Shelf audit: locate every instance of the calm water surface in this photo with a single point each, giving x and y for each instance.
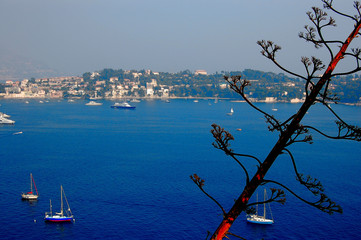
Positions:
(126, 173)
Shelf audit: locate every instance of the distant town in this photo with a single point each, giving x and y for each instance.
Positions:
(125, 84)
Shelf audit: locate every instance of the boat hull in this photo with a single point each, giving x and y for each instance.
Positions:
(29, 196)
(6, 121)
(92, 103)
(58, 219)
(122, 107)
(259, 220)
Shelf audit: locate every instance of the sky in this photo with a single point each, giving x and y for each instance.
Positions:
(78, 36)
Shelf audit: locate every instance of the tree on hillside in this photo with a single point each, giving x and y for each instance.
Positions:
(317, 87)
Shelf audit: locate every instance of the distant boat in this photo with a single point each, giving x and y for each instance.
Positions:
(196, 100)
(259, 219)
(135, 100)
(93, 103)
(62, 216)
(4, 120)
(4, 115)
(30, 195)
(124, 105)
(273, 108)
(231, 112)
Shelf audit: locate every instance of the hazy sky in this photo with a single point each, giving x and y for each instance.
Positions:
(77, 36)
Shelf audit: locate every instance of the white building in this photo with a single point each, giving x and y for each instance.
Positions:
(150, 89)
(271, 99)
(200, 72)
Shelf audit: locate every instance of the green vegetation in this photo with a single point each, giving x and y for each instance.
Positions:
(263, 84)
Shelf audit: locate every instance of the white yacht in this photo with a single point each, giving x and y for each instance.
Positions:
(4, 115)
(93, 103)
(4, 120)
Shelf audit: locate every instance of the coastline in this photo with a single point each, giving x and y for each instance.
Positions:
(235, 100)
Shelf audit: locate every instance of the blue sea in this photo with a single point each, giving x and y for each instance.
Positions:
(126, 172)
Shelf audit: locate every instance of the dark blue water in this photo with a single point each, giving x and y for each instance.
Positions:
(126, 172)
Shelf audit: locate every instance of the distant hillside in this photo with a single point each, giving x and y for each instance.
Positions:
(17, 68)
(188, 84)
(111, 83)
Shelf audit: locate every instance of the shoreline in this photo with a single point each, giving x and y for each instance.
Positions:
(235, 100)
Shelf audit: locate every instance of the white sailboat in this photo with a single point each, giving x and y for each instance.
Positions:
(30, 195)
(259, 219)
(62, 216)
(231, 112)
(273, 108)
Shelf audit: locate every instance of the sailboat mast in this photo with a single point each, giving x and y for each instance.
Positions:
(264, 204)
(61, 199)
(31, 184)
(257, 205)
(37, 193)
(51, 209)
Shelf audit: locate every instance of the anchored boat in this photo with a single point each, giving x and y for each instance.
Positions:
(30, 195)
(123, 105)
(62, 216)
(93, 103)
(4, 120)
(231, 112)
(259, 219)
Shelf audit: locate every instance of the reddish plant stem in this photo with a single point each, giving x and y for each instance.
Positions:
(241, 203)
